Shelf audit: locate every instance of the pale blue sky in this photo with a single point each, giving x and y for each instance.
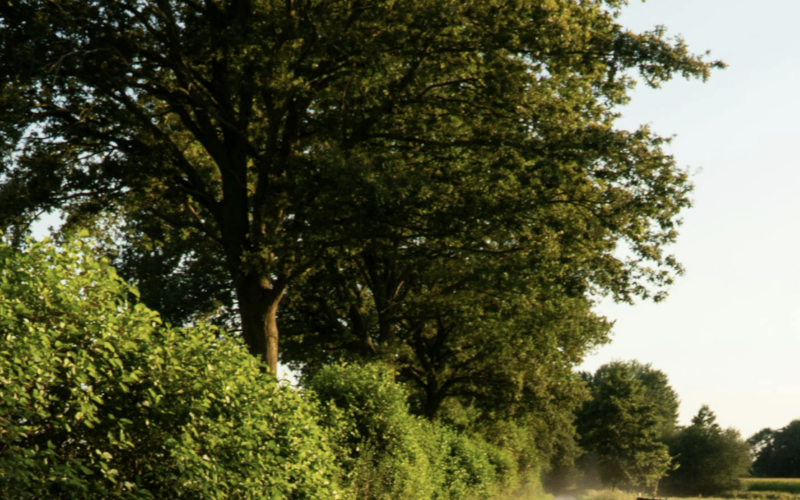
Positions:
(729, 333)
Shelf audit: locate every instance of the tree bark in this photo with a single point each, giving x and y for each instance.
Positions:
(433, 401)
(258, 308)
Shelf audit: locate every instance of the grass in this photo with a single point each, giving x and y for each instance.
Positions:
(763, 495)
(607, 495)
(777, 485)
(752, 489)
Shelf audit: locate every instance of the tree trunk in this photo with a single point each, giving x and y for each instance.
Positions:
(434, 395)
(433, 401)
(271, 335)
(258, 308)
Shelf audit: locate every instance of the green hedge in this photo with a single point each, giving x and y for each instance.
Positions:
(98, 399)
(387, 453)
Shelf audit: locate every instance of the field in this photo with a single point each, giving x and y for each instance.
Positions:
(776, 485)
(752, 489)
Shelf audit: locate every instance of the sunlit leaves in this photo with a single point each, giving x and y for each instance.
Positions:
(100, 400)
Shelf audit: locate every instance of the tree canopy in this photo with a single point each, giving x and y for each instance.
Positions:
(258, 143)
(622, 425)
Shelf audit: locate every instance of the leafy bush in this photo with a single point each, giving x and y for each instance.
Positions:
(474, 468)
(383, 448)
(513, 449)
(100, 400)
(389, 453)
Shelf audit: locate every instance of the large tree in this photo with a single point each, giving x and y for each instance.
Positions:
(251, 138)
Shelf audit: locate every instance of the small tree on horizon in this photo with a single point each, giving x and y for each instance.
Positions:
(710, 459)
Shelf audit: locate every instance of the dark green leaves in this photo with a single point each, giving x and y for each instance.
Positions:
(710, 460)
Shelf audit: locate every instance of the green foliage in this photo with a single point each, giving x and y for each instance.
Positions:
(388, 453)
(777, 453)
(439, 185)
(183, 278)
(503, 356)
(100, 400)
(278, 136)
(473, 468)
(383, 448)
(710, 460)
(663, 396)
(622, 424)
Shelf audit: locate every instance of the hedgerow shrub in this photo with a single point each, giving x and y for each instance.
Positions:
(388, 453)
(468, 467)
(383, 448)
(98, 399)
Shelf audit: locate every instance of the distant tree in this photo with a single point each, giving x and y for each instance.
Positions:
(658, 390)
(758, 442)
(622, 424)
(777, 453)
(710, 460)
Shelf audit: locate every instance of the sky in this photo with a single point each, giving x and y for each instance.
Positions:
(728, 335)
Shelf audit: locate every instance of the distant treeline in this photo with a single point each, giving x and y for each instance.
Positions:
(629, 433)
(628, 430)
(777, 452)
